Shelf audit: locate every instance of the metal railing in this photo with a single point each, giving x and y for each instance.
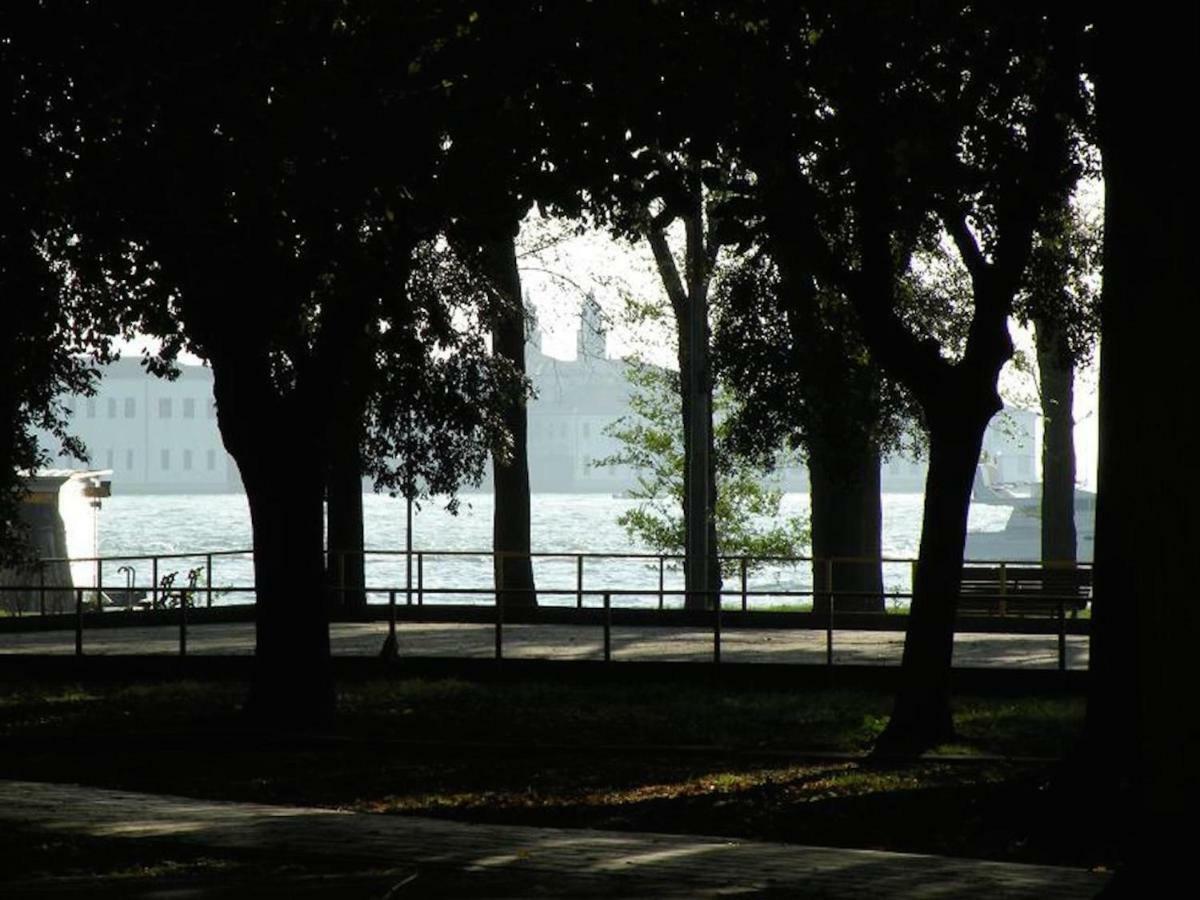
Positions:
(163, 595)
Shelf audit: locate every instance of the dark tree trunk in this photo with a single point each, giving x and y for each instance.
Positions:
(511, 518)
(844, 486)
(293, 680)
(1141, 718)
(344, 564)
(922, 717)
(1056, 375)
(700, 593)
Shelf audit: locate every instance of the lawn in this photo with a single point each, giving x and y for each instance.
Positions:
(774, 765)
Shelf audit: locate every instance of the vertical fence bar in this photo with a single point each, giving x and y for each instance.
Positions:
(1062, 635)
(661, 573)
(392, 617)
(42, 586)
(1003, 588)
(185, 597)
(420, 579)
(79, 621)
(154, 583)
(744, 599)
(829, 620)
(607, 628)
(499, 625)
(408, 585)
(579, 581)
(99, 584)
(716, 627)
(207, 580)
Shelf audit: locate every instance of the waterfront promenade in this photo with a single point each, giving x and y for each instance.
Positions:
(568, 642)
(422, 855)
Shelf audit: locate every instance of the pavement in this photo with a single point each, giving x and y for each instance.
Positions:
(564, 642)
(430, 857)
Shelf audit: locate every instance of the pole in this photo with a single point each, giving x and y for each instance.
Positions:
(79, 621)
(607, 628)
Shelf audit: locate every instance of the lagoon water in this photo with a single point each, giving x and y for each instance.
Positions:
(138, 525)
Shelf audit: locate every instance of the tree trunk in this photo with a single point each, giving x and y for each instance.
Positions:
(345, 569)
(292, 683)
(921, 718)
(513, 566)
(1056, 375)
(1141, 717)
(844, 486)
(702, 583)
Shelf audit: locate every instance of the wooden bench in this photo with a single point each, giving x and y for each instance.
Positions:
(1023, 590)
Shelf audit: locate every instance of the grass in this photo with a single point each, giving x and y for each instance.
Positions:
(655, 757)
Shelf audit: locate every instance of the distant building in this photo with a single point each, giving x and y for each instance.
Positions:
(159, 436)
(156, 436)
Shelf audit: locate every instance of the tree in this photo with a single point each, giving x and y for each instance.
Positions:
(804, 380)
(1060, 302)
(951, 122)
(57, 312)
(747, 512)
(1141, 738)
(279, 171)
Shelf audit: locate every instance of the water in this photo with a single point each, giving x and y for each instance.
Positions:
(561, 523)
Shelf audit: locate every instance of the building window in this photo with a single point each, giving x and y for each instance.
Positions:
(187, 460)
(164, 459)
(130, 407)
(587, 429)
(91, 407)
(108, 459)
(210, 458)
(164, 407)
(189, 408)
(112, 407)
(212, 409)
(129, 460)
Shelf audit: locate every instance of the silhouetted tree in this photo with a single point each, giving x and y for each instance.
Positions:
(278, 170)
(59, 304)
(1060, 303)
(1141, 733)
(924, 122)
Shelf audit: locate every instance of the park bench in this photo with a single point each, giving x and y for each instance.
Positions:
(1023, 590)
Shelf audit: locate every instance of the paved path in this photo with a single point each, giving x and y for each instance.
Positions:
(572, 642)
(571, 862)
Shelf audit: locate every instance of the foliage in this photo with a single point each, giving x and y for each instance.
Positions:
(747, 509)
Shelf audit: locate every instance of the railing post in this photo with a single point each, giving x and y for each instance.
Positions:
(207, 580)
(607, 628)
(420, 579)
(99, 584)
(744, 601)
(500, 623)
(42, 586)
(829, 621)
(79, 621)
(579, 581)
(392, 618)
(408, 585)
(184, 599)
(154, 583)
(1003, 588)
(1062, 636)
(661, 571)
(717, 627)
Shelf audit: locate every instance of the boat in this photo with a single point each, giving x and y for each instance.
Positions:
(1021, 538)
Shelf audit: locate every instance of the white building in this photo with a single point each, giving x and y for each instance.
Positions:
(159, 436)
(155, 435)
